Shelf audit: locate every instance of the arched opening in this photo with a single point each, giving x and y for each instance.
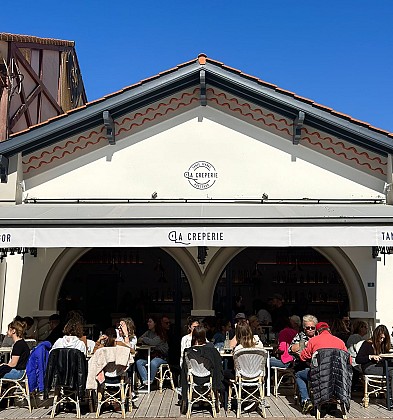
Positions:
(105, 283)
(306, 279)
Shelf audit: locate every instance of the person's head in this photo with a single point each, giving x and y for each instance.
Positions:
(192, 323)
(225, 325)
(154, 324)
(309, 325)
(54, 321)
(244, 335)
(381, 340)
(165, 323)
(321, 327)
(295, 322)
(110, 333)
(73, 327)
(151, 323)
(130, 327)
(338, 326)
(360, 327)
(347, 322)
(77, 315)
(16, 329)
(276, 300)
(198, 336)
(253, 322)
(240, 317)
(29, 321)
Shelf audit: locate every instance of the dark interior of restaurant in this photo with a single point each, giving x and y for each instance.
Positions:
(107, 283)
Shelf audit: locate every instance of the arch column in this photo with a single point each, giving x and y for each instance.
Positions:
(11, 274)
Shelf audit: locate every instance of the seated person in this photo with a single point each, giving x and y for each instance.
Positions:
(203, 351)
(224, 327)
(340, 329)
(323, 340)
(244, 339)
(359, 333)
(31, 330)
(124, 336)
(187, 339)
(243, 321)
(369, 354)
(56, 329)
(20, 353)
(285, 337)
(72, 339)
(302, 369)
(256, 327)
(155, 336)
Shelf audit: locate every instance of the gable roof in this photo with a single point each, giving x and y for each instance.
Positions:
(201, 72)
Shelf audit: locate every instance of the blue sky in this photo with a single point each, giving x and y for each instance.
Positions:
(338, 53)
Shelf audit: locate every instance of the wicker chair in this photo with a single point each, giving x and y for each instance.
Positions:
(113, 391)
(15, 389)
(199, 390)
(373, 385)
(279, 374)
(164, 373)
(248, 385)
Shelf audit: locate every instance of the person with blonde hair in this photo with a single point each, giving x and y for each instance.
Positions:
(20, 353)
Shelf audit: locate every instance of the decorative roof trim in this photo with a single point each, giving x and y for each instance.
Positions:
(34, 39)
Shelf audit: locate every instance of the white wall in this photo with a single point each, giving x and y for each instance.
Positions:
(249, 162)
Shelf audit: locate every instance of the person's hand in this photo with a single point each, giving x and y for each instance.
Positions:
(295, 347)
(375, 357)
(102, 339)
(123, 329)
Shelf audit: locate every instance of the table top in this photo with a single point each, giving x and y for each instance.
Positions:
(5, 349)
(386, 355)
(143, 347)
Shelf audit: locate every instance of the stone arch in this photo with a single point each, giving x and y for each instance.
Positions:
(336, 256)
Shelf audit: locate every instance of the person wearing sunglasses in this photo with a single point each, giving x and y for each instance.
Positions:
(297, 345)
(324, 339)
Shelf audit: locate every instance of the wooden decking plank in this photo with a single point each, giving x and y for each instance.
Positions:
(166, 403)
(144, 405)
(155, 404)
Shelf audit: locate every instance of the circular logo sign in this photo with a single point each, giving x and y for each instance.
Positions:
(201, 175)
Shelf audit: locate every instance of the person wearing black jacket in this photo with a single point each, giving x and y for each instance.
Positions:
(369, 353)
(205, 353)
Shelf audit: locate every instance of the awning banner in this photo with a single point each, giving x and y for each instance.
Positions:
(280, 236)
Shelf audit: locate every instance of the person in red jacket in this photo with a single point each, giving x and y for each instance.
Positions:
(323, 340)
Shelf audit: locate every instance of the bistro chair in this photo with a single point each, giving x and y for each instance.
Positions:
(373, 385)
(164, 373)
(200, 385)
(279, 374)
(248, 385)
(113, 391)
(66, 373)
(331, 378)
(15, 389)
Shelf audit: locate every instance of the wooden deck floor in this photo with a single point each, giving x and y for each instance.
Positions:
(165, 406)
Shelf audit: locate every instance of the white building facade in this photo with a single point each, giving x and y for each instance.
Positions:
(200, 159)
